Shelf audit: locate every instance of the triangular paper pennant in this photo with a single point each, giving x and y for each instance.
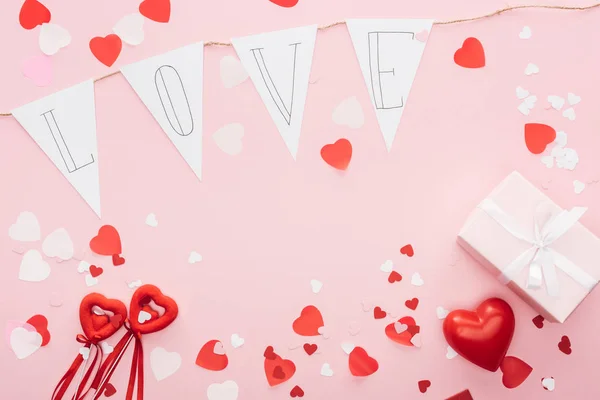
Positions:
(389, 52)
(64, 126)
(170, 85)
(279, 64)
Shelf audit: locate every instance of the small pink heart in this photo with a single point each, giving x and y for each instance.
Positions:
(38, 69)
(422, 36)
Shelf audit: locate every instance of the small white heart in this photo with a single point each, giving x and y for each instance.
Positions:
(134, 284)
(387, 266)
(144, 316)
(53, 38)
(98, 311)
(548, 384)
(106, 348)
(441, 312)
(237, 341)
(531, 69)
(83, 266)
(130, 29)
(194, 257)
(90, 280)
(450, 353)
(548, 161)
(416, 340)
(348, 347)
(219, 349)
(416, 279)
(573, 99)
(326, 370)
(578, 186)
(525, 33)
(522, 93)
(561, 138)
(323, 332)
(569, 113)
(151, 220)
(556, 102)
(85, 352)
(400, 327)
(316, 286)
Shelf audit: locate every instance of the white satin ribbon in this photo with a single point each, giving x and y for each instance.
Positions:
(540, 258)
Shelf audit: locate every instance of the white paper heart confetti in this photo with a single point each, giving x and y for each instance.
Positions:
(130, 29)
(58, 244)
(83, 266)
(349, 113)
(323, 332)
(164, 363)
(326, 370)
(237, 341)
(569, 114)
(548, 384)
(548, 161)
(106, 348)
(522, 93)
(85, 352)
(26, 229)
(416, 279)
(348, 347)
(525, 33)
(561, 139)
(578, 186)
(316, 285)
(416, 341)
(565, 158)
(400, 327)
(527, 105)
(53, 38)
(33, 267)
(144, 316)
(229, 139)
(556, 102)
(387, 267)
(573, 99)
(218, 349)
(194, 257)
(227, 390)
(151, 220)
(450, 353)
(232, 72)
(134, 284)
(24, 343)
(441, 312)
(90, 280)
(531, 69)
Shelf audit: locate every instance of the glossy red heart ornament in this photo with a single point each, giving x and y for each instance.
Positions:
(481, 336)
(142, 297)
(99, 327)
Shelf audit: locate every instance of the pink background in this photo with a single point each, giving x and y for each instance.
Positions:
(267, 225)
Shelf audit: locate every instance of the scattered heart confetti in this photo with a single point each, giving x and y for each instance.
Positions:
(233, 72)
(115, 320)
(378, 313)
(416, 279)
(402, 331)
(107, 242)
(323, 332)
(130, 29)
(156, 10)
(117, 260)
(40, 324)
(96, 271)
(538, 321)
(326, 370)
(361, 364)
(143, 316)
(514, 372)
(90, 280)
(412, 304)
(296, 392)
(561, 139)
(33, 268)
(212, 356)
(151, 220)
(227, 390)
(39, 70)
(450, 353)
(407, 250)
(83, 266)
(441, 312)
(400, 327)
(394, 277)
(464, 395)
(347, 347)
(522, 93)
(424, 385)
(565, 158)
(33, 13)
(538, 136)
(55, 299)
(53, 38)
(316, 285)
(471, 54)
(548, 161)
(556, 102)
(548, 384)
(237, 341)
(229, 138)
(416, 341)
(531, 69)
(569, 113)
(109, 390)
(24, 343)
(285, 3)
(277, 369)
(309, 322)
(134, 284)
(565, 345)
(349, 113)
(310, 348)
(387, 266)
(58, 244)
(194, 257)
(422, 36)
(106, 49)
(525, 33)
(527, 105)
(578, 186)
(337, 155)
(573, 99)
(164, 363)
(106, 348)
(85, 352)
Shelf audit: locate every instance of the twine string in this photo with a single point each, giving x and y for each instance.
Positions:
(449, 22)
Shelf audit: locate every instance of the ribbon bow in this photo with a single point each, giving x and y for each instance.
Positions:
(540, 257)
(65, 381)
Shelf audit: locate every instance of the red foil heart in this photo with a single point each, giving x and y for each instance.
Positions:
(97, 328)
(142, 297)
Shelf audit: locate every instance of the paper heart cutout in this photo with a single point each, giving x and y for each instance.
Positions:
(285, 3)
(538, 136)
(378, 313)
(471, 54)
(39, 70)
(407, 250)
(24, 342)
(296, 392)
(227, 390)
(96, 271)
(109, 390)
(361, 364)
(156, 10)
(143, 296)
(33, 13)
(405, 336)
(565, 345)
(309, 322)
(548, 384)
(464, 395)
(514, 371)
(130, 29)
(40, 323)
(90, 322)
(310, 349)
(53, 38)
(58, 244)
(164, 363)
(269, 353)
(394, 277)
(107, 242)
(117, 260)
(424, 385)
(538, 321)
(277, 369)
(106, 49)
(338, 155)
(412, 304)
(481, 336)
(210, 359)
(33, 268)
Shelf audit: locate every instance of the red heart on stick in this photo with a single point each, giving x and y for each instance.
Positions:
(361, 364)
(106, 50)
(156, 10)
(481, 336)
(33, 13)
(99, 327)
(471, 54)
(338, 155)
(309, 322)
(107, 242)
(538, 136)
(142, 297)
(514, 371)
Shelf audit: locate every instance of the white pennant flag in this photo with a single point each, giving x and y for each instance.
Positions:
(279, 64)
(170, 85)
(64, 126)
(389, 52)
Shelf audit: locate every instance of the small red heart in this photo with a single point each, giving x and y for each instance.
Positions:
(361, 364)
(109, 390)
(403, 338)
(378, 313)
(106, 50)
(565, 345)
(538, 136)
(279, 370)
(270, 353)
(156, 10)
(33, 13)
(471, 54)
(117, 260)
(538, 321)
(297, 392)
(40, 323)
(407, 250)
(309, 322)
(412, 304)
(424, 385)
(285, 3)
(514, 371)
(394, 277)
(464, 395)
(338, 155)
(310, 349)
(116, 320)
(96, 271)
(208, 359)
(107, 242)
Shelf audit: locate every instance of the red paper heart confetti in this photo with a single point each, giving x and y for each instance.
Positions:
(212, 356)
(117, 260)
(309, 322)
(565, 345)
(403, 330)
(407, 250)
(109, 390)
(361, 364)
(156, 10)
(33, 13)
(338, 155)
(107, 242)
(285, 3)
(96, 271)
(424, 385)
(464, 395)
(538, 136)
(269, 353)
(538, 321)
(310, 349)
(106, 50)
(412, 304)
(378, 313)
(471, 54)
(297, 392)
(116, 320)
(394, 277)
(514, 372)
(40, 323)
(277, 369)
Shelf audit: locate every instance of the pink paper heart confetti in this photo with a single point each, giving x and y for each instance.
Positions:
(39, 70)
